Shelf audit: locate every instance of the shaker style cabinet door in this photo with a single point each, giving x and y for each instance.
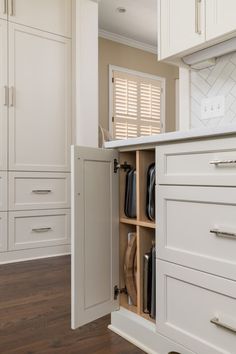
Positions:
(220, 17)
(95, 234)
(3, 95)
(181, 25)
(47, 15)
(39, 100)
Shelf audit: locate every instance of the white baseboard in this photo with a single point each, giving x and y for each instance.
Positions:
(32, 254)
(143, 334)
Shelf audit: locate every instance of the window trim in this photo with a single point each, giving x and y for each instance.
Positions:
(141, 74)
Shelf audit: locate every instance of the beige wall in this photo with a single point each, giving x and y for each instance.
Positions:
(121, 55)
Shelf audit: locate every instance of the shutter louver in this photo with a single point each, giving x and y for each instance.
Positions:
(136, 106)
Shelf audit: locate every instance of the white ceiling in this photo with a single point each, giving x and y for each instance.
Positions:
(139, 23)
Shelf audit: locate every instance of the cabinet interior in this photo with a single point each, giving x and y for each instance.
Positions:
(141, 225)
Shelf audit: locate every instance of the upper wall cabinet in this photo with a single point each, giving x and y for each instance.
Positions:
(39, 100)
(3, 95)
(52, 16)
(181, 25)
(221, 18)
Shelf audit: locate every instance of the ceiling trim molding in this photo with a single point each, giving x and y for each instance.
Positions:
(127, 41)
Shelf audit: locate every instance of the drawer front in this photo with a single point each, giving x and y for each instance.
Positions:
(196, 309)
(34, 229)
(39, 191)
(3, 191)
(197, 228)
(3, 232)
(206, 162)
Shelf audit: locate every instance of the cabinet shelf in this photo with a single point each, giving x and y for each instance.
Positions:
(136, 222)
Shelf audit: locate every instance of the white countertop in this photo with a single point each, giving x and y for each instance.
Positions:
(173, 136)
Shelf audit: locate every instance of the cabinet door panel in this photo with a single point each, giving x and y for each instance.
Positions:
(196, 309)
(48, 15)
(181, 25)
(40, 103)
(95, 236)
(3, 98)
(220, 17)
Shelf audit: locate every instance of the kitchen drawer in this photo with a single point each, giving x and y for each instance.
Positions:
(3, 191)
(206, 162)
(196, 309)
(3, 232)
(40, 228)
(197, 228)
(38, 190)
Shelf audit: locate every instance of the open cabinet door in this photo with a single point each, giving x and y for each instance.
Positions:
(95, 234)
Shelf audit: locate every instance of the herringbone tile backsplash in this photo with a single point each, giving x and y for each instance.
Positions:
(217, 80)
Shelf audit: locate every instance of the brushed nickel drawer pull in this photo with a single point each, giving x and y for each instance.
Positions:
(198, 16)
(222, 162)
(5, 9)
(42, 191)
(6, 96)
(217, 322)
(42, 229)
(223, 233)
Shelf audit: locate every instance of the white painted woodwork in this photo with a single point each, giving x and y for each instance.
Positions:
(3, 191)
(3, 93)
(34, 253)
(47, 15)
(187, 301)
(142, 333)
(38, 190)
(177, 26)
(95, 235)
(39, 228)
(40, 109)
(189, 163)
(85, 73)
(3, 9)
(220, 18)
(3, 232)
(185, 218)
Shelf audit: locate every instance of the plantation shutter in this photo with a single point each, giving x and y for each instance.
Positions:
(136, 105)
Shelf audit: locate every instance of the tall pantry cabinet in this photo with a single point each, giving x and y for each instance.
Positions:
(35, 122)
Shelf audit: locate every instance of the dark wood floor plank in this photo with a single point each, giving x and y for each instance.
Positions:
(35, 313)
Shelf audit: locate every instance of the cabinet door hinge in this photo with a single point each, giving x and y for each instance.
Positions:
(118, 291)
(125, 166)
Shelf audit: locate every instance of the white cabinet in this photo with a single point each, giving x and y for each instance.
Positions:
(3, 94)
(47, 15)
(34, 190)
(197, 228)
(41, 228)
(3, 191)
(3, 232)
(220, 17)
(196, 309)
(181, 25)
(95, 235)
(206, 163)
(40, 100)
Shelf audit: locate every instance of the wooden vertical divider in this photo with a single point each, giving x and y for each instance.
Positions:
(145, 159)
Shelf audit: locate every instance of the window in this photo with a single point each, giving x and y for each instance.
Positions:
(136, 104)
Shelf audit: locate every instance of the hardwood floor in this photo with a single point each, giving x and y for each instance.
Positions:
(35, 313)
